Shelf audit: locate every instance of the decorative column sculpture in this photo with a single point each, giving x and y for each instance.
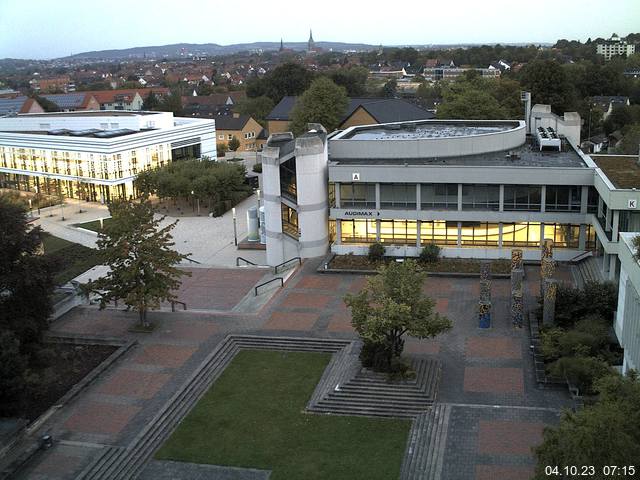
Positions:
(549, 302)
(547, 264)
(484, 305)
(517, 277)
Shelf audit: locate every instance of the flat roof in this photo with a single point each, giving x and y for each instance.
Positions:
(526, 155)
(91, 113)
(428, 129)
(622, 170)
(91, 132)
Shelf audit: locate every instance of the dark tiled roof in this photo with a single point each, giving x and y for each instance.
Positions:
(229, 122)
(11, 105)
(383, 110)
(67, 100)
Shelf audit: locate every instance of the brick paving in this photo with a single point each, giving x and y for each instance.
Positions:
(487, 375)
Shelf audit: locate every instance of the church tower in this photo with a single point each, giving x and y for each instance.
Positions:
(311, 45)
(281, 46)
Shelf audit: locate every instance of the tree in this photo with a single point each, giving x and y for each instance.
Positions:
(286, 79)
(172, 103)
(389, 89)
(607, 433)
(393, 304)
(354, 79)
(234, 144)
(464, 101)
(13, 367)
(549, 84)
(257, 108)
(324, 102)
(151, 102)
(221, 149)
(630, 144)
(142, 263)
(26, 282)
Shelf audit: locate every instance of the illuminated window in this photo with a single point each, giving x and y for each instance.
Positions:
(289, 220)
(357, 231)
(439, 232)
(590, 243)
(398, 232)
(522, 234)
(479, 234)
(563, 235)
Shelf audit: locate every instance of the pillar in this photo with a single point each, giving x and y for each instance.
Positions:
(272, 205)
(549, 302)
(484, 304)
(584, 199)
(313, 206)
(543, 198)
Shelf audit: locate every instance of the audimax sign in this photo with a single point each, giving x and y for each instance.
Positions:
(361, 213)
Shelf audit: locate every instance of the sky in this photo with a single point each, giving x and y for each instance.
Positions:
(42, 29)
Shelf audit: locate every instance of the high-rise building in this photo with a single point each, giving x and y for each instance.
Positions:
(615, 46)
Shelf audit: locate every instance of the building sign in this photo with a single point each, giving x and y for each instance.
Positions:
(361, 213)
(355, 177)
(632, 203)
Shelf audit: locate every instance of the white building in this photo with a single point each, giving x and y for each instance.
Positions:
(627, 322)
(615, 46)
(95, 155)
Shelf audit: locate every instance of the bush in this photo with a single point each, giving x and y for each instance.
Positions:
(581, 371)
(636, 245)
(13, 368)
(573, 304)
(376, 252)
(257, 168)
(430, 253)
(221, 149)
(375, 356)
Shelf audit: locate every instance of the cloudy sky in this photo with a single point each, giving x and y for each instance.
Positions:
(48, 29)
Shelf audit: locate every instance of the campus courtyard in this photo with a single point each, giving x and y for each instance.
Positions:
(185, 401)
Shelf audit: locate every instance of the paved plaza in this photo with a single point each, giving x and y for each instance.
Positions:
(497, 411)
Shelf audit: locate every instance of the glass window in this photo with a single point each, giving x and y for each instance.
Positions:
(289, 220)
(439, 196)
(592, 200)
(361, 195)
(563, 199)
(522, 234)
(480, 197)
(398, 232)
(563, 235)
(590, 243)
(479, 234)
(439, 232)
(522, 197)
(357, 231)
(398, 195)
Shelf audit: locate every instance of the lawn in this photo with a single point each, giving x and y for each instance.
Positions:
(69, 259)
(94, 225)
(253, 417)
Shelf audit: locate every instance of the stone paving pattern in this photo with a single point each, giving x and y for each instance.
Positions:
(480, 368)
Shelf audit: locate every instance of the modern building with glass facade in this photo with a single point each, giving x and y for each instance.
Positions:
(475, 188)
(95, 155)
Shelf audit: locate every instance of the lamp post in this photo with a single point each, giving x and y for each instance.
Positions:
(258, 193)
(197, 201)
(235, 228)
(38, 197)
(101, 223)
(30, 208)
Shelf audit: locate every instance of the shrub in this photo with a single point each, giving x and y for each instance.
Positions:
(573, 304)
(257, 168)
(221, 149)
(581, 371)
(430, 253)
(636, 244)
(376, 252)
(550, 343)
(375, 355)
(13, 368)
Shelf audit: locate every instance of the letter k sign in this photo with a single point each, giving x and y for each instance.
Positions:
(632, 204)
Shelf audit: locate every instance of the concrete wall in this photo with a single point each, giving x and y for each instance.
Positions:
(272, 209)
(567, 125)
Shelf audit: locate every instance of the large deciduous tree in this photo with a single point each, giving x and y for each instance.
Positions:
(324, 102)
(143, 265)
(549, 84)
(604, 434)
(393, 304)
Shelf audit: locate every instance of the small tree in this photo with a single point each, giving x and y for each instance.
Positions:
(234, 144)
(376, 252)
(221, 149)
(430, 253)
(393, 304)
(324, 102)
(142, 263)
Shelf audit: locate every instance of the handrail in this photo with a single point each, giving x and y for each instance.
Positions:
(581, 256)
(173, 305)
(244, 260)
(192, 260)
(255, 290)
(275, 269)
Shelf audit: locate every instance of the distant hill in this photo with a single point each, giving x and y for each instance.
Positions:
(211, 49)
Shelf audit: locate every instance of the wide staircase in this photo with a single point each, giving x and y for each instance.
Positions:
(368, 393)
(587, 270)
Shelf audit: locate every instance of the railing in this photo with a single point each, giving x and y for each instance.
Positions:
(173, 305)
(194, 261)
(581, 256)
(275, 269)
(248, 262)
(255, 290)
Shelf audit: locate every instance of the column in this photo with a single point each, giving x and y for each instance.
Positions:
(501, 207)
(584, 199)
(418, 225)
(418, 197)
(612, 267)
(500, 235)
(378, 198)
(543, 198)
(615, 223)
(582, 240)
(378, 230)
(459, 242)
(272, 205)
(336, 190)
(459, 199)
(607, 219)
(338, 232)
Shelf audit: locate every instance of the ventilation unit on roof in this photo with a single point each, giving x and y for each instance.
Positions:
(548, 138)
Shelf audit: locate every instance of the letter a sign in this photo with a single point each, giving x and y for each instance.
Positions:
(355, 177)
(632, 204)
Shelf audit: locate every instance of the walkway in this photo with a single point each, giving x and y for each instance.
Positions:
(494, 412)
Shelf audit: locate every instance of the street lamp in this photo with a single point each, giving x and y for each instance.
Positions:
(30, 209)
(258, 193)
(235, 228)
(197, 201)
